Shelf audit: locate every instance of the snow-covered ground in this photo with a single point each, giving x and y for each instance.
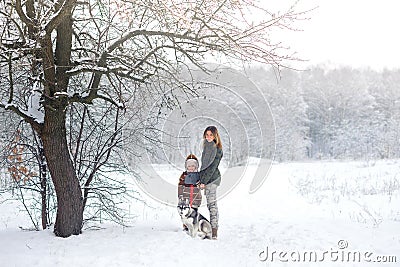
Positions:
(323, 209)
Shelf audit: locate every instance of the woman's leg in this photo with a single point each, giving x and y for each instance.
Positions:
(211, 196)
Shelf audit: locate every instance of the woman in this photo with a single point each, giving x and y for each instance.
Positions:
(210, 177)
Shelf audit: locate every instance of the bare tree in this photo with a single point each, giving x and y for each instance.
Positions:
(28, 175)
(55, 54)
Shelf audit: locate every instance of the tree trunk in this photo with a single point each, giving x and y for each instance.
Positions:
(69, 195)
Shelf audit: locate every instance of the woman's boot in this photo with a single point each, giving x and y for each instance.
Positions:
(214, 233)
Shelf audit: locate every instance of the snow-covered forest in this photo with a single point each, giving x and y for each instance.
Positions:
(319, 113)
(340, 113)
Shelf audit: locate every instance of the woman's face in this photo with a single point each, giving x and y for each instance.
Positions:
(209, 136)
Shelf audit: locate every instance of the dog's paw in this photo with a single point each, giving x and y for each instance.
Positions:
(193, 234)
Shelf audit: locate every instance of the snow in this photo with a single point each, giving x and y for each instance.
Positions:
(61, 94)
(301, 207)
(8, 106)
(35, 109)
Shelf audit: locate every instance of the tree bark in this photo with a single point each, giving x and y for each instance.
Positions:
(69, 195)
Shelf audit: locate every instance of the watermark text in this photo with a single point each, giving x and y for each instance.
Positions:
(339, 254)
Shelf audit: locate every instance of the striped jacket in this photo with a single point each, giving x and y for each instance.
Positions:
(190, 192)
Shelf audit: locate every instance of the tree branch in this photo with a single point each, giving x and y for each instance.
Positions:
(21, 34)
(64, 10)
(22, 15)
(29, 119)
(172, 35)
(10, 77)
(94, 94)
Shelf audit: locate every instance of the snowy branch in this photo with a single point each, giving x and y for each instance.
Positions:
(88, 98)
(37, 125)
(118, 70)
(172, 35)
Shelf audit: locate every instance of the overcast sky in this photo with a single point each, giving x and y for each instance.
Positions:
(359, 33)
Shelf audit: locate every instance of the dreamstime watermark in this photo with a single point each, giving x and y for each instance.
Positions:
(339, 254)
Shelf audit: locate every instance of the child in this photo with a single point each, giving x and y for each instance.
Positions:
(188, 183)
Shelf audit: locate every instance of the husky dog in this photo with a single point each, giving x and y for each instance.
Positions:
(194, 221)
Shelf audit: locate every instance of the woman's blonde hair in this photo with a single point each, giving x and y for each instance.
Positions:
(217, 138)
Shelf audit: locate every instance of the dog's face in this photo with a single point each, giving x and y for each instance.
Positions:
(184, 209)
